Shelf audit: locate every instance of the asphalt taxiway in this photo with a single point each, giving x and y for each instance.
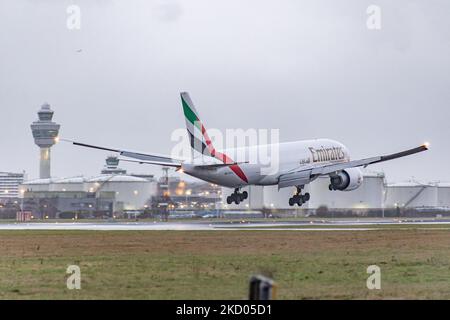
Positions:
(304, 225)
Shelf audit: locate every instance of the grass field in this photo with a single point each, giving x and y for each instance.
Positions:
(217, 264)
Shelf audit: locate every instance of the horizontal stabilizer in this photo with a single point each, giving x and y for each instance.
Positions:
(218, 165)
(166, 164)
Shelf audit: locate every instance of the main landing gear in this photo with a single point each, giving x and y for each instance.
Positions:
(237, 197)
(298, 198)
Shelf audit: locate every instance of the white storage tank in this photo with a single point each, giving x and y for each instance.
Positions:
(37, 185)
(443, 194)
(132, 193)
(370, 195)
(411, 195)
(68, 184)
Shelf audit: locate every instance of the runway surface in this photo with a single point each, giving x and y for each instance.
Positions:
(313, 225)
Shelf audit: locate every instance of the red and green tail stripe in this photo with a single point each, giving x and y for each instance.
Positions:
(199, 138)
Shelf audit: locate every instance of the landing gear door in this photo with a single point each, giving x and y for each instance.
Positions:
(298, 178)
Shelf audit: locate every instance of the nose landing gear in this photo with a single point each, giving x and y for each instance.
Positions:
(298, 198)
(237, 197)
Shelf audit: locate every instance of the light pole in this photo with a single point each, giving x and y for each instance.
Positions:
(186, 194)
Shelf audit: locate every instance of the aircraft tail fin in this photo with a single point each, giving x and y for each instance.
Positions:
(198, 135)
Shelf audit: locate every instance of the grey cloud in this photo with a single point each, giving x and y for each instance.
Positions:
(168, 10)
(310, 68)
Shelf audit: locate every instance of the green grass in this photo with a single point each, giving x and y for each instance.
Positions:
(218, 264)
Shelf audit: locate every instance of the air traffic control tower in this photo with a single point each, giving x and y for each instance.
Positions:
(45, 133)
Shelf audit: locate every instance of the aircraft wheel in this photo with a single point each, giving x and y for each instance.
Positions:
(299, 200)
(244, 195)
(229, 200)
(291, 201)
(237, 200)
(306, 197)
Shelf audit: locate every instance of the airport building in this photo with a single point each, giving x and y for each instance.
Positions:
(191, 195)
(9, 185)
(113, 192)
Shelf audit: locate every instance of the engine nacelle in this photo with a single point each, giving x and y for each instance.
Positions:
(346, 180)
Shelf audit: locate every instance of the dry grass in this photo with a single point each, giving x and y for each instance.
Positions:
(217, 264)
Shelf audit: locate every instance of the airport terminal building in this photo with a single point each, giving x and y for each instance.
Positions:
(9, 186)
(113, 192)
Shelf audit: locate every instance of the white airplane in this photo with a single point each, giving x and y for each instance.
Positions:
(300, 162)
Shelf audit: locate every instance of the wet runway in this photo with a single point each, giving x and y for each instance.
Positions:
(312, 225)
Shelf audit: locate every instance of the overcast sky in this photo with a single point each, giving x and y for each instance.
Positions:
(310, 68)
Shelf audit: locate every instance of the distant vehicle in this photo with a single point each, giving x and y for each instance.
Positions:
(175, 215)
(300, 162)
(209, 216)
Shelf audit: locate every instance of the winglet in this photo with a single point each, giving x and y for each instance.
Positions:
(423, 147)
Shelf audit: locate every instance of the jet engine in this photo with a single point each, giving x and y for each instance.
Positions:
(346, 180)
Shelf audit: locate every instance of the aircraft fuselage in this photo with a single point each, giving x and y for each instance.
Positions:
(263, 164)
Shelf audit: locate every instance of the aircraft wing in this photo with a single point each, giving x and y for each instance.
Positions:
(305, 175)
(144, 157)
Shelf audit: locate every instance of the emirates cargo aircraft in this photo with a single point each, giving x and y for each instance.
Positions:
(299, 162)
